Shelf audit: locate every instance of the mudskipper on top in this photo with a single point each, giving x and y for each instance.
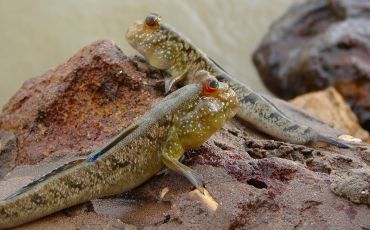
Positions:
(168, 50)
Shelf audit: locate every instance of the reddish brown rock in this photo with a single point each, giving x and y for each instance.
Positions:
(257, 182)
(81, 104)
(316, 44)
(8, 152)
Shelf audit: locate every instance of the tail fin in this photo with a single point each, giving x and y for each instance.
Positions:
(332, 141)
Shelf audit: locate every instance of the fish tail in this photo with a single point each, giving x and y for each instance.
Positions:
(332, 141)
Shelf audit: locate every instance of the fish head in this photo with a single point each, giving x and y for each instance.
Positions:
(217, 103)
(151, 39)
(214, 90)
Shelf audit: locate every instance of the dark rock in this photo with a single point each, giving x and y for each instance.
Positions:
(8, 152)
(257, 182)
(316, 44)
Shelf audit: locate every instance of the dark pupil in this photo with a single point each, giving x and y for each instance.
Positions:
(150, 20)
(213, 84)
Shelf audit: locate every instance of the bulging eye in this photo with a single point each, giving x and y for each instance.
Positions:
(212, 85)
(152, 20)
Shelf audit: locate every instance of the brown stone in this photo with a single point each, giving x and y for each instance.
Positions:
(81, 104)
(8, 152)
(328, 105)
(258, 183)
(317, 44)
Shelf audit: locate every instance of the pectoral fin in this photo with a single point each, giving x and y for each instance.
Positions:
(194, 177)
(170, 81)
(165, 170)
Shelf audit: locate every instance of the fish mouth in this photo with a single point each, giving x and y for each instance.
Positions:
(132, 33)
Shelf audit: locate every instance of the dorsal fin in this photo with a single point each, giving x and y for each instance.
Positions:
(216, 64)
(264, 97)
(95, 155)
(43, 178)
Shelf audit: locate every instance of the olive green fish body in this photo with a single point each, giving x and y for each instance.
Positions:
(183, 120)
(255, 109)
(180, 58)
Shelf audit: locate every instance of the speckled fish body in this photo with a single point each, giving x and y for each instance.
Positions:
(168, 50)
(181, 121)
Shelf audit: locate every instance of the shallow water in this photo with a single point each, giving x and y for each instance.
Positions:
(38, 35)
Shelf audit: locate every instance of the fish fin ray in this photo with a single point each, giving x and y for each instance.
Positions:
(43, 178)
(97, 154)
(216, 64)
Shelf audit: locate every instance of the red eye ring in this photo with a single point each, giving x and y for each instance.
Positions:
(211, 86)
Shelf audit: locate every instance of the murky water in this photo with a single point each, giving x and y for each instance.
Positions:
(37, 35)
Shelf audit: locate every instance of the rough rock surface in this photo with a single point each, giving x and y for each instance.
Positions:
(316, 44)
(258, 183)
(328, 105)
(79, 105)
(354, 184)
(8, 152)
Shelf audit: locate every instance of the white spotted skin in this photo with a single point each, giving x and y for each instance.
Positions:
(189, 59)
(181, 121)
(171, 52)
